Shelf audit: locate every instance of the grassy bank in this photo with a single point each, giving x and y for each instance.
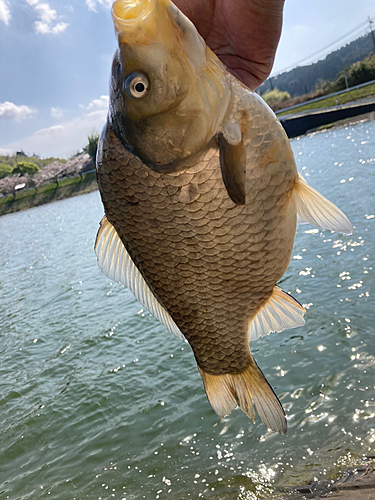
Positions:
(54, 191)
(345, 97)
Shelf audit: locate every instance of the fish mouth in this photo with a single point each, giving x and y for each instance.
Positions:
(129, 11)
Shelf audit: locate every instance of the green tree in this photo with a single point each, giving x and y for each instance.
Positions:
(92, 146)
(25, 168)
(359, 72)
(5, 170)
(273, 96)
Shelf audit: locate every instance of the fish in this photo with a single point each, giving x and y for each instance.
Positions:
(201, 196)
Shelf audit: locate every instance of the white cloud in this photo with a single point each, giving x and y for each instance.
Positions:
(66, 138)
(6, 152)
(91, 4)
(4, 11)
(47, 23)
(57, 112)
(44, 28)
(101, 103)
(11, 111)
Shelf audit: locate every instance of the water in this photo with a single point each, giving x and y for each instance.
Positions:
(98, 401)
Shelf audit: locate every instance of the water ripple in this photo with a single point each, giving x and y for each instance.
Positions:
(99, 402)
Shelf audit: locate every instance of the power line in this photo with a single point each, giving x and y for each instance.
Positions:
(372, 33)
(351, 32)
(360, 26)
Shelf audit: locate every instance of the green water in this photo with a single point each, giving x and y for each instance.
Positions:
(98, 401)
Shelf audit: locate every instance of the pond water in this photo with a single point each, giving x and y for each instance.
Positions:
(99, 401)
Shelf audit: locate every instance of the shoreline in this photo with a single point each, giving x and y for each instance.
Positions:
(346, 122)
(58, 190)
(303, 123)
(86, 183)
(355, 483)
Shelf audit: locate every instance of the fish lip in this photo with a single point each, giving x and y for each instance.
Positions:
(128, 21)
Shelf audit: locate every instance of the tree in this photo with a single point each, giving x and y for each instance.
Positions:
(92, 145)
(357, 73)
(5, 170)
(273, 96)
(25, 168)
(303, 79)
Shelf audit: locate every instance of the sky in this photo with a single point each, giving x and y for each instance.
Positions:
(55, 59)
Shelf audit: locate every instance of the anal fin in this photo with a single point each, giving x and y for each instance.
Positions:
(226, 392)
(280, 312)
(312, 207)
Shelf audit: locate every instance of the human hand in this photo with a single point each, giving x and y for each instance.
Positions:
(244, 34)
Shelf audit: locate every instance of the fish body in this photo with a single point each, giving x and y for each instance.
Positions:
(201, 195)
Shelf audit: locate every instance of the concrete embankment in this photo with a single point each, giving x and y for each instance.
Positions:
(63, 188)
(308, 121)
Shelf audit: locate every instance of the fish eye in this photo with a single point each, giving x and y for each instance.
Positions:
(136, 85)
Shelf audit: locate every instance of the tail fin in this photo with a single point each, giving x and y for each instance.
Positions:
(227, 391)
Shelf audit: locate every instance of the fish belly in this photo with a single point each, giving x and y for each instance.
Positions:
(210, 262)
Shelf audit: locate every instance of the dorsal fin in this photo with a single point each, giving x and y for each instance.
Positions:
(115, 261)
(312, 207)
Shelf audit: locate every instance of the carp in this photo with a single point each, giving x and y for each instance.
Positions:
(201, 195)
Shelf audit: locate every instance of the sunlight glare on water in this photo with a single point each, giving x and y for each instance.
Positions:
(98, 401)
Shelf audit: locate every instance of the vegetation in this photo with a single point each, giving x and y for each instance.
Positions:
(357, 73)
(21, 168)
(92, 146)
(297, 100)
(273, 96)
(349, 96)
(34, 172)
(20, 156)
(5, 170)
(25, 168)
(305, 79)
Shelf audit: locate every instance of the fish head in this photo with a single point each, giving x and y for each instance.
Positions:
(167, 88)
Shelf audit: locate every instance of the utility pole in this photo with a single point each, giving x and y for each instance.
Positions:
(271, 84)
(372, 33)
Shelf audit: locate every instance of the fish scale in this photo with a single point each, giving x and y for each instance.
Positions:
(166, 256)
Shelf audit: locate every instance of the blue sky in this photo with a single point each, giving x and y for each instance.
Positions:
(55, 60)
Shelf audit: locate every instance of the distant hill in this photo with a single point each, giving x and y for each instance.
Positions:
(304, 79)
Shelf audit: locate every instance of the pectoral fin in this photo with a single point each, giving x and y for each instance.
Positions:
(116, 263)
(233, 163)
(280, 312)
(312, 207)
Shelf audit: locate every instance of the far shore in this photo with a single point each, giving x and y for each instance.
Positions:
(348, 121)
(57, 190)
(86, 182)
